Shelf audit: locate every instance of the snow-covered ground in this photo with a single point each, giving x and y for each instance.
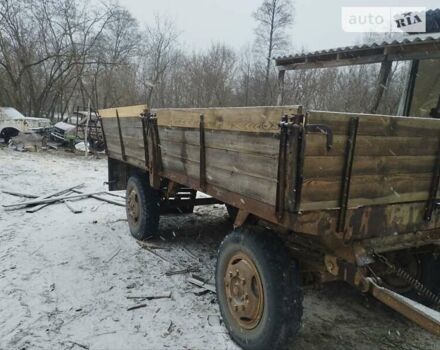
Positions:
(65, 278)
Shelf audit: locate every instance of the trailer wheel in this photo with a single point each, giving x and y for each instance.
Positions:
(258, 290)
(143, 208)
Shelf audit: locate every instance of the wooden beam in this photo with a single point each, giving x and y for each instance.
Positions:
(382, 82)
(129, 111)
(281, 75)
(50, 200)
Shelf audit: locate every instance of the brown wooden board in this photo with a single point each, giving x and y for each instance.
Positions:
(393, 161)
(241, 145)
(245, 119)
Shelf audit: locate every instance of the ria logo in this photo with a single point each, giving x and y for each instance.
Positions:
(408, 19)
(383, 19)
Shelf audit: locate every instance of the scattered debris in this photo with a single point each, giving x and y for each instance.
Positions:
(118, 220)
(115, 194)
(190, 253)
(50, 200)
(165, 295)
(170, 330)
(149, 249)
(62, 192)
(113, 256)
(214, 320)
(182, 272)
(72, 208)
(96, 196)
(148, 245)
(78, 344)
(202, 284)
(18, 194)
(200, 291)
(136, 307)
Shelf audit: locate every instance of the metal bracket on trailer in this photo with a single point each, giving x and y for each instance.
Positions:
(144, 115)
(323, 129)
(289, 164)
(432, 201)
(346, 177)
(152, 148)
(121, 140)
(202, 163)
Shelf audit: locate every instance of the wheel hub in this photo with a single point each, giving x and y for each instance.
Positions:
(244, 291)
(133, 206)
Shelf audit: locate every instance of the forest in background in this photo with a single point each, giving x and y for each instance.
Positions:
(59, 54)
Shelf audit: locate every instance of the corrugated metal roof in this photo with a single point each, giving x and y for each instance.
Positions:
(364, 47)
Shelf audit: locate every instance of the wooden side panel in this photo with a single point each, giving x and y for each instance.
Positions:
(241, 144)
(110, 126)
(133, 138)
(239, 166)
(393, 161)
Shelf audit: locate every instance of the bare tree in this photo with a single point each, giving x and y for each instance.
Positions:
(157, 55)
(273, 18)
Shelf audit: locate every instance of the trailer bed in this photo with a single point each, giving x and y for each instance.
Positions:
(316, 172)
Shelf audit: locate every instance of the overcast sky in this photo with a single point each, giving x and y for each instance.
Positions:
(201, 22)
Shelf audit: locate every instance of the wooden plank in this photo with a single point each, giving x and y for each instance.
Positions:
(258, 143)
(19, 194)
(72, 208)
(376, 125)
(261, 189)
(245, 119)
(129, 111)
(365, 190)
(50, 200)
(240, 163)
(373, 145)
(53, 194)
(325, 167)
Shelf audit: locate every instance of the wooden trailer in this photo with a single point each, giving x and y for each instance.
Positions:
(340, 196)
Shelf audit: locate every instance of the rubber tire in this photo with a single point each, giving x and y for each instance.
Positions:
(149, 201)
(281, 319)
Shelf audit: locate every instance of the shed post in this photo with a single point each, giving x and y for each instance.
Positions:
(280, 99)
(385, 70)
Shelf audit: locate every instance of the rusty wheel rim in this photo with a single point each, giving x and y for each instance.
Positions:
(133, 206)
(244, 291)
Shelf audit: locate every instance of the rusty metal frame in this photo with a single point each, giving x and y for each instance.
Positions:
(432, 200)
(144, 117)
(155, 163)
(121, 140)
(346, 177)
(282, 164)
(202, 153)
(323, 129)
(300, 163)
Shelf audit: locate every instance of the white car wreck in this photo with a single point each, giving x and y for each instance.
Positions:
(12, 122)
